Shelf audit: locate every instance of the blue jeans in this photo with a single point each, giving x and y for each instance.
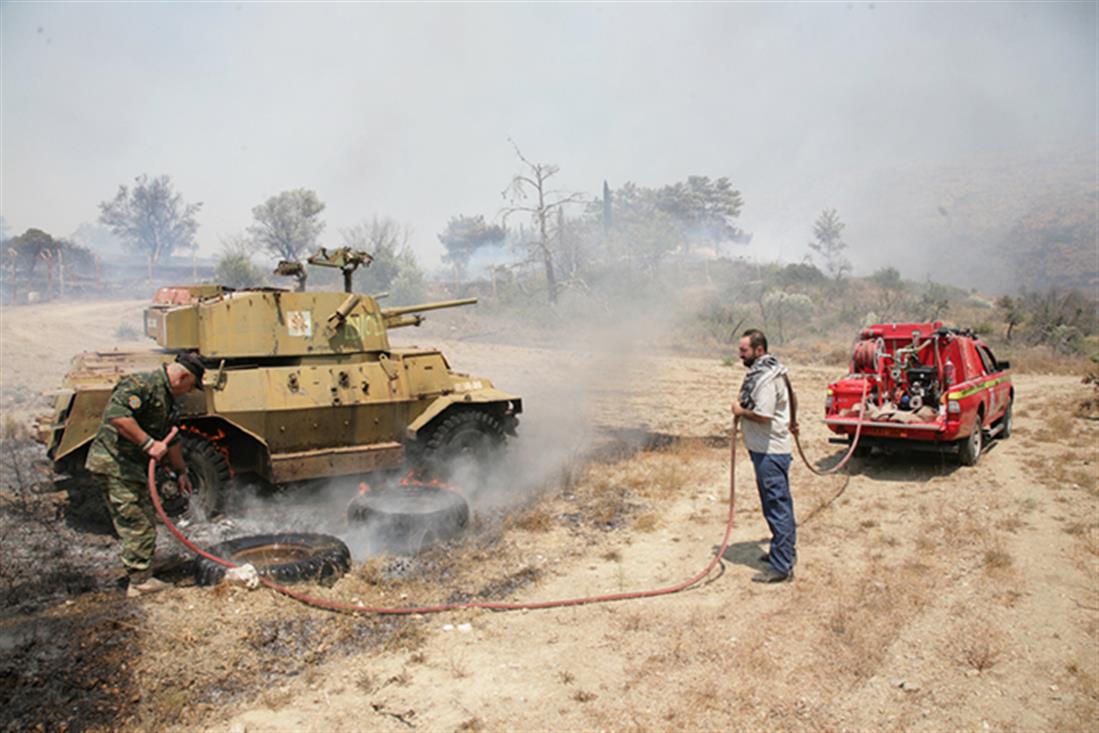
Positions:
(773, 482)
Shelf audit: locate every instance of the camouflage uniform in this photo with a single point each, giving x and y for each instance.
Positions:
(122, 465)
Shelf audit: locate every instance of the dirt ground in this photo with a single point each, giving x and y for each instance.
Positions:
(929, 597)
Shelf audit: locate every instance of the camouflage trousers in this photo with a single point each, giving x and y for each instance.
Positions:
(134, 520)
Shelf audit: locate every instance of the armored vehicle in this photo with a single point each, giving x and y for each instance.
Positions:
(299, 385)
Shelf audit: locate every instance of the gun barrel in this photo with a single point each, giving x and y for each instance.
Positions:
(404, 309)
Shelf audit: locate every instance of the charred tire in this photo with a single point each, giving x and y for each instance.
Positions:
(284, 558)
(405, 519)
(209, 473)
(969, 452)
(472, 434)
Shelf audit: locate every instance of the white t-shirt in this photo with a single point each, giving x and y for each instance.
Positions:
(773, 436)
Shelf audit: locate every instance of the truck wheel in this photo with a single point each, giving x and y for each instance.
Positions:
(209, 472)
(464, 435)
(1005, 421)
(970, 451)
(405, 519)
(284, 558)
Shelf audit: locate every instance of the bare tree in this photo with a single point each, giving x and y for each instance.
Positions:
(394, 269)
(151, 218)
(532, 183)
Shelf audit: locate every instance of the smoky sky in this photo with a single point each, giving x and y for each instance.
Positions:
(405, 111)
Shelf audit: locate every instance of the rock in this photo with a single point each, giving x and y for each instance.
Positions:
(465, 628)
(244, 576)
(896, 682)
(910, 686)
(448, 627)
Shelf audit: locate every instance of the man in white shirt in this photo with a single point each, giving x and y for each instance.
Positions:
(763, 412)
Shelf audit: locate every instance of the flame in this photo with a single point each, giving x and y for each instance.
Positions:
(412, 478)
(215, 439)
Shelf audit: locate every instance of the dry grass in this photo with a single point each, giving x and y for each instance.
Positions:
(1011, 523)
(647, 522)
(456, 665)
(535, 519)
(979, 649)
(997, 560)
(1054, 427)
(1065, 471)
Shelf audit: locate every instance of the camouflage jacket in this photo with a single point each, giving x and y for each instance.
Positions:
(147, 398)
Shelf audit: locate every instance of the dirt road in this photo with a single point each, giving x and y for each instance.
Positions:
(929, 597)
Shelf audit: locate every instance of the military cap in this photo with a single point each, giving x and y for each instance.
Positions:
(192, 363)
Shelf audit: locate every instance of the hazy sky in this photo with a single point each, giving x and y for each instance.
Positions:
(405, 110)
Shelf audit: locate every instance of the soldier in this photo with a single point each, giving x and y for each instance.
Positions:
(138, 417)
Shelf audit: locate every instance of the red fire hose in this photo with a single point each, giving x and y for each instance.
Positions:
(498, 605)
(854, 441)
(489, 605)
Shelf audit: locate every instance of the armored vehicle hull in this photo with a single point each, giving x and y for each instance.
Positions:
(298, 386)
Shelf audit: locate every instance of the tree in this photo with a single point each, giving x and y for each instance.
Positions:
(235, 267)
(1012, 312)
(934, 302)
(778, 308)
(287, 224)
(151, 218)
(706, 208)
(829, 244)
(394, 269)
(533, 183)
(892, 293)
(463, 236)
(22, 256)
(643, 231)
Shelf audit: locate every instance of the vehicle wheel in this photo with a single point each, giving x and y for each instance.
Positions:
(970, 451)
(405, 519)
(284, 558)
(862, 450)
(1005, 421)
(209, 473)
(465, 435)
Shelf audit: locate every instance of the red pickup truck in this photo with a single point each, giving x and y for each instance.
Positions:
(922, 386)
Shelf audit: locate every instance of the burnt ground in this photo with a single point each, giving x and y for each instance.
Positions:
(929, 597)
(70, 641)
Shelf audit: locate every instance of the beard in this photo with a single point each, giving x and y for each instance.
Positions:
(748, 361)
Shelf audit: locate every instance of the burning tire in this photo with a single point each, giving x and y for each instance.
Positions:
(285, 558)
(209, 473)
(405, 519)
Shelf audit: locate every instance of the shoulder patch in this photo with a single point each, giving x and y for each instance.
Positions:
(134, 402)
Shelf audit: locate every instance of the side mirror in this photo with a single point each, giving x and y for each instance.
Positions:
(1003, 366)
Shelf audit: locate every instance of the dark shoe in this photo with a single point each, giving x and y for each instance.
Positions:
(770, 575)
